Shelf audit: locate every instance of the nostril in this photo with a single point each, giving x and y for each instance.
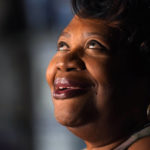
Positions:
(58, 68)
(71, 69)
(83, 67)
(76, 68)
(71, 65)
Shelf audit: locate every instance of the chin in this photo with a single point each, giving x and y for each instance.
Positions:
(75, 116)
(69, 119)
(76, 111)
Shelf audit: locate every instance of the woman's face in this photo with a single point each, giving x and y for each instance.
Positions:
(88, 82)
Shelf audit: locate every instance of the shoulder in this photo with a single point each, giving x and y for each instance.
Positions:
(141, 144)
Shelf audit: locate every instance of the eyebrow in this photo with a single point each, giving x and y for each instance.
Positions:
(66, 34)
(94, 33)
(102, 36)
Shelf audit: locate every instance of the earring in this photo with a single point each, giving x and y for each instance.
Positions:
(148, 112)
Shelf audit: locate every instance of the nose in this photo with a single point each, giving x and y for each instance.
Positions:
(70, 62)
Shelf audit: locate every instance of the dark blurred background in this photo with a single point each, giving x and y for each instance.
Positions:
(28, 33)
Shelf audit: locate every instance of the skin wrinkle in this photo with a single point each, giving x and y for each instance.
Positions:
(66, 34)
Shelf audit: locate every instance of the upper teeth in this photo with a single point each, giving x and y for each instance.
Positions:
(61, 87)
(64, 87)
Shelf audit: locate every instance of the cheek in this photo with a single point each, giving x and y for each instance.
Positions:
(51, 71)
(99, 69)
(104, 98)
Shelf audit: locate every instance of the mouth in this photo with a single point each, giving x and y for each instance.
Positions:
(65, 89)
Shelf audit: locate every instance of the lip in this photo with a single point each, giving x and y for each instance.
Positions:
(65, 88)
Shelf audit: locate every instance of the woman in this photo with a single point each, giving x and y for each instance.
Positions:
(100, 76)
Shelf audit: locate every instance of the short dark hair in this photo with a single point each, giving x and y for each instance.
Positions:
(133, 14)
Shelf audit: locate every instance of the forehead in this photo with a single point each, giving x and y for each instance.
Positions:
(79, 26)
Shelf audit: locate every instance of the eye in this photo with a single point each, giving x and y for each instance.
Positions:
(62, 46)
(95, 45)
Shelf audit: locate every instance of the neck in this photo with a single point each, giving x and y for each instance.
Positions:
(99, 136)
(97, 139)
(105, 147)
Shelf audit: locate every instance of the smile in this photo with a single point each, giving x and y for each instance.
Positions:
(64, 88)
